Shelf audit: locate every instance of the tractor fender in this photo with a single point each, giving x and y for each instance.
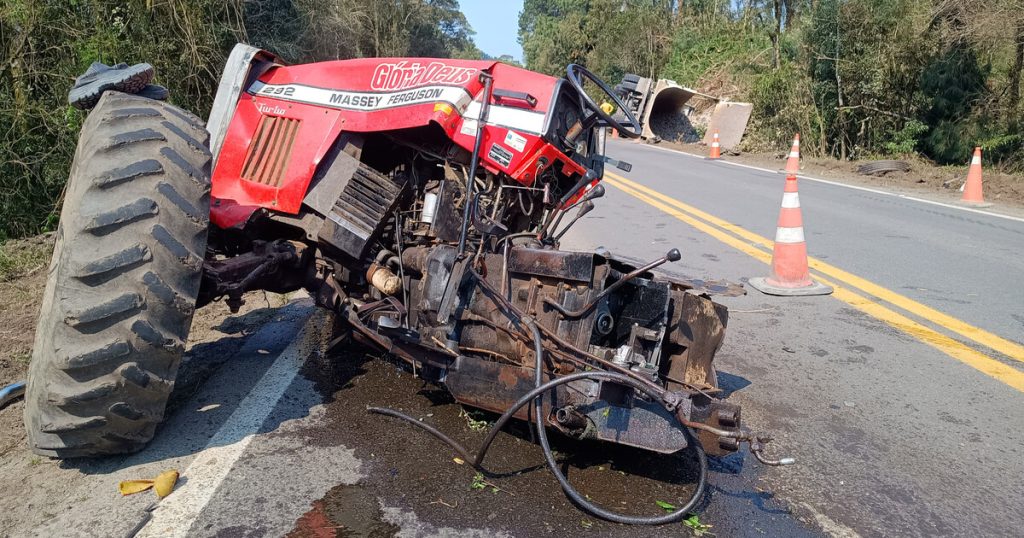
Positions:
(244, 65)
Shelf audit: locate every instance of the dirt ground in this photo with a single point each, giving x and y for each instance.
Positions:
(924, 176)
(22, 280)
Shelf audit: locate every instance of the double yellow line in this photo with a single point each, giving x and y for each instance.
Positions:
(845, 284)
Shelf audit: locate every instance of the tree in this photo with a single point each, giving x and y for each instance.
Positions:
(45, 44)
(611, 37)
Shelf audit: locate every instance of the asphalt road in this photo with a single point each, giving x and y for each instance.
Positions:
(898, 429)
(894, 435)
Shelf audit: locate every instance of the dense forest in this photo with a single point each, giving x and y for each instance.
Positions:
(857, 78)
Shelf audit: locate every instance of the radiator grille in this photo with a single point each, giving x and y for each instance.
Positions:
(366, 200)
(270, 151)
(361, 211)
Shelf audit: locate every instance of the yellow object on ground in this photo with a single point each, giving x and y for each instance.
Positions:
(607, 107)
(163, 484)
(129, 487)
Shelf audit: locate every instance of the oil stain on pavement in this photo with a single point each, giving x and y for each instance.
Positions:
(413, 486)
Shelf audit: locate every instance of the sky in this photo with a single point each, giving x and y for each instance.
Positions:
(496, 23)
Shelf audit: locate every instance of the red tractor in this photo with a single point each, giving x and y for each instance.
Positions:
(422, 201)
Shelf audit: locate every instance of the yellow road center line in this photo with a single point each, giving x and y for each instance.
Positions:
(1012, 350)
(941, 342)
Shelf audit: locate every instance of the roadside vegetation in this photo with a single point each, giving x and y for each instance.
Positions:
(857, 78)
(45, 44)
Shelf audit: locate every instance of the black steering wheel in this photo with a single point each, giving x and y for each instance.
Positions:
(573, 74)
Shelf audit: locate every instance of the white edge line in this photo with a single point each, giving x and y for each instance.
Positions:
(175, 515)
(855, 187)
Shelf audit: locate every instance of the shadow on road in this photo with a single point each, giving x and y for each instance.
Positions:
(214, 378)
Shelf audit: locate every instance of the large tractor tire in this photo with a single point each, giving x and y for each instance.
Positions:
(123, 280)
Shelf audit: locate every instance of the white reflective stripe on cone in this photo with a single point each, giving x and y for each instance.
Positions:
(791, 200)
(794, 155)
(975, 160)
(789, 235)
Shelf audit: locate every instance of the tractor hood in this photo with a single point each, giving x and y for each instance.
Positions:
(286, 120)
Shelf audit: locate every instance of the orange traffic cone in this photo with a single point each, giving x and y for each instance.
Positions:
(972, 189)
(790, 274)
(793, 163)
(716, 148)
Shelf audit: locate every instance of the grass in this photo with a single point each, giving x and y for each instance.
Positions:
(479, 482)
(21, 258)
(23, 357)
(692, 522)
(473, 423)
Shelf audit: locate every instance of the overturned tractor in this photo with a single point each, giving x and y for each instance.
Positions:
(420, 200)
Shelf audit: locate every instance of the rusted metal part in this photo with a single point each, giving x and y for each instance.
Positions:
(646, 425)
(698, 286)
(600, 410)
(279, 266)
(492, 386)
(560, 264)
(696, 331)
(673, 255)
(719, 415)
(473, 338)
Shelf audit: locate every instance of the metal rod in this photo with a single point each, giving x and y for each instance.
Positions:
(672, 256)
(475, 160)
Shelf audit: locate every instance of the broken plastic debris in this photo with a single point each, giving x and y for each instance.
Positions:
(163, 484)
(130, 487)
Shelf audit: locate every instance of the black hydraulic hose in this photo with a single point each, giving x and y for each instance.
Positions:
(571, 492)
(430, 429)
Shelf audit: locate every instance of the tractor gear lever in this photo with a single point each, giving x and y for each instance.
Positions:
(670, 256)
(587, 207)
(596, 192)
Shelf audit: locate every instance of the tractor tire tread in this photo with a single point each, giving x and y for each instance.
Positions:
(123, 280)
(109, 221)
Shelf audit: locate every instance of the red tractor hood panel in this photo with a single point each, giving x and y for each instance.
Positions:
(287, 120)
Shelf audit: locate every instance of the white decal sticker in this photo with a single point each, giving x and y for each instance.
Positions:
(509, 116)
(271, 109)
(351, 100)
(513, 139)
(469, 127)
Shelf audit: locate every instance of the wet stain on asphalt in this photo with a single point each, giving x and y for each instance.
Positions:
(346, 512)
(407, 470)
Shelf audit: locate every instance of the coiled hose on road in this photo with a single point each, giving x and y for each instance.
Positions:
(536, 396)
